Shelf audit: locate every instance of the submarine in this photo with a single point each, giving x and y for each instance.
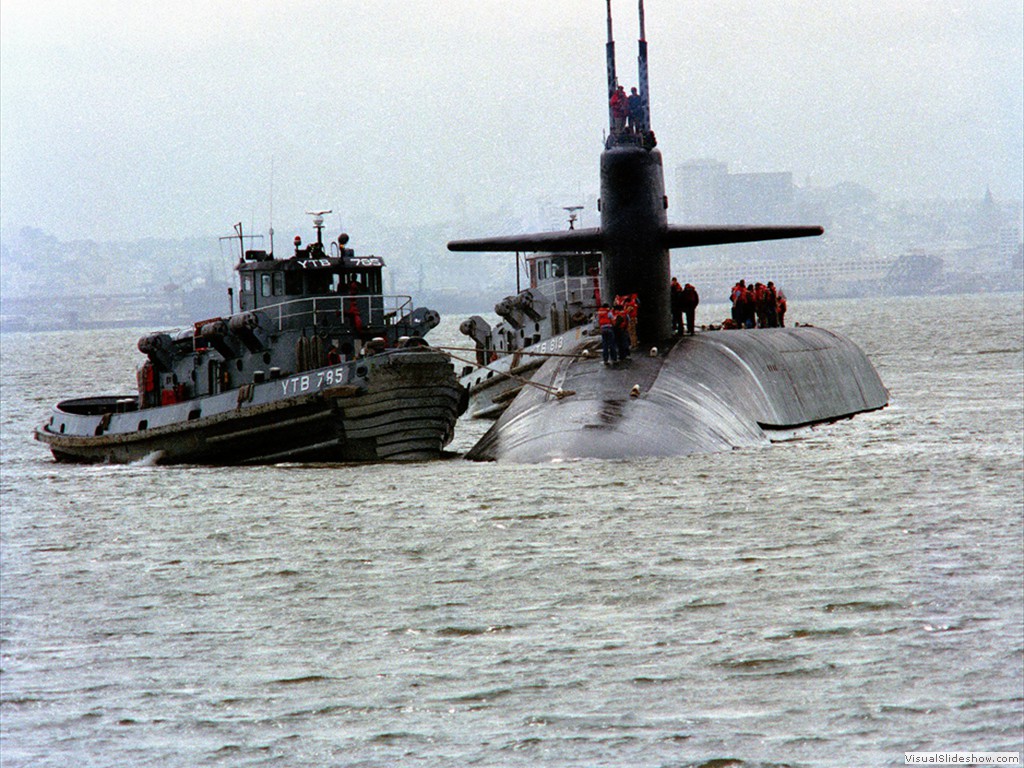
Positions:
(712, 391)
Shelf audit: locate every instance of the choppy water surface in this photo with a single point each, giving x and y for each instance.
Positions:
(852, 593)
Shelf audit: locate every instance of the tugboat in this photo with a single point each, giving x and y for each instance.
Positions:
(551, 316)
(318, 364)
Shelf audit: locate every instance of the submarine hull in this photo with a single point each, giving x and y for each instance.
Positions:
(711, 392)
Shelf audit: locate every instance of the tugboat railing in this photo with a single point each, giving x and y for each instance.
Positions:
(570, 290)
(372, 309)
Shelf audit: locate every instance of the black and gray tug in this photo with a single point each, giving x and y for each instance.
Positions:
(318, 364)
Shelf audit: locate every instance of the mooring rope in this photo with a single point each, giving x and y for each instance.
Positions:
(556, 391)
(526, 351)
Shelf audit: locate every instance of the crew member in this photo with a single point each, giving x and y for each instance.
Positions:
(771, 305)
(745, 308)
(781, 307)
(620, 321)
(760, 305)
(352, 307)
(620, 108)
(676, 297)
(735, 297)
(609, 347)
(631, 306)
(634, 111)
(690, 300)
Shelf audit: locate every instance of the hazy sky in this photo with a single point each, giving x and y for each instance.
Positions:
(123, 119)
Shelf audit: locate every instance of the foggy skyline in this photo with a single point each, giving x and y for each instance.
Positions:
(122, 120)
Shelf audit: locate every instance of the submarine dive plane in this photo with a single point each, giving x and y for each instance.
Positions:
(712, 391)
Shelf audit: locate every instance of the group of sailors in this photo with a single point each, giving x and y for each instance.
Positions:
(757, 306)
(618, 328)
(627, 111)
(684, 307)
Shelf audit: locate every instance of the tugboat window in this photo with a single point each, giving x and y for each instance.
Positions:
(278, 283)
(265, 285)
(247, 283)
(369, 282)
(293, 283)
(319, 282)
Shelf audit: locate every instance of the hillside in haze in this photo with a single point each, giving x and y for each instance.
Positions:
(870, 247)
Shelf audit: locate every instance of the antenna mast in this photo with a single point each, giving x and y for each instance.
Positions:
(241, 242)
(271, 205)
(610, 55)
(645, 99)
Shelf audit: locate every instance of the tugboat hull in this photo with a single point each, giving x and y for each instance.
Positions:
(711, 392)
(399, 406)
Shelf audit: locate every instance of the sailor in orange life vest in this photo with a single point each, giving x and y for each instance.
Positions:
(631, 306)
(620, 322)
(609, 345)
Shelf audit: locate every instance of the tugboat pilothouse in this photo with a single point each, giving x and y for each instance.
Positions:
(550, 316)
(318, 364)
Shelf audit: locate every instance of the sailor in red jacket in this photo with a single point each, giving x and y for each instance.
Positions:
(690, 300)
(605, 321)
(620, 108)
(620, 322)
(631, 306)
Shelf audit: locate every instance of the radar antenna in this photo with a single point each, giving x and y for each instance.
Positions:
(573, 211)
(318, 225)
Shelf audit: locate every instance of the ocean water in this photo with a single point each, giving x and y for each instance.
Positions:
(846, 595)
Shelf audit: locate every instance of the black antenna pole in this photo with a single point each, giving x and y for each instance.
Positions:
(645, 99)
(612, 80)
(271, 205)
(241, 242)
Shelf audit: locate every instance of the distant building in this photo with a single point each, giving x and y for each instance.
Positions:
(706, 193)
